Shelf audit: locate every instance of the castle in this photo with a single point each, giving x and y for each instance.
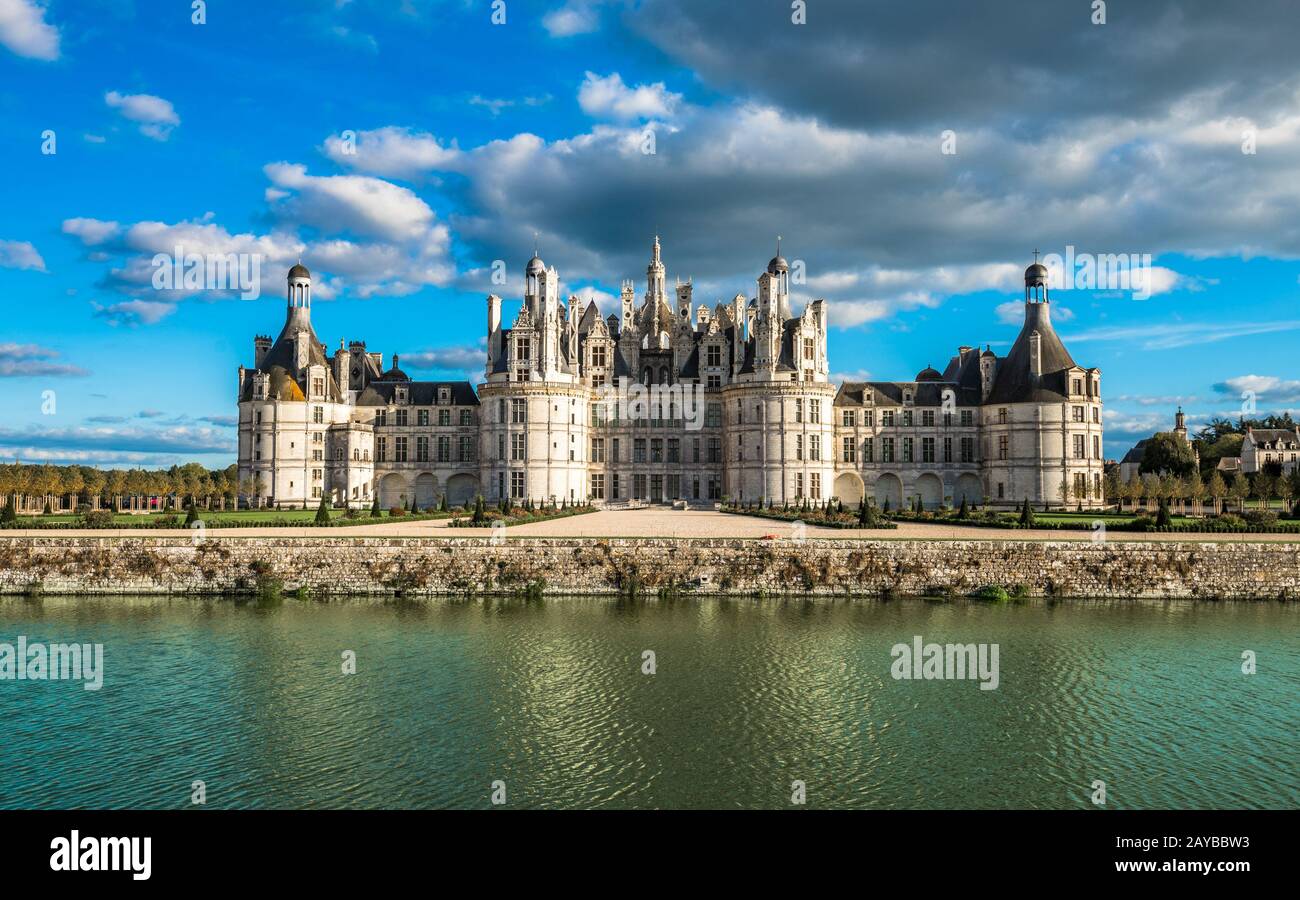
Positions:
(666, 402)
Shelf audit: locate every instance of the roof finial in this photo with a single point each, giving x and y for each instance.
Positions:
(1035, 255)
(778, 245)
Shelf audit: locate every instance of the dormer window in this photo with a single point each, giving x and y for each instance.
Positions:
(444, 395)
(401, 395)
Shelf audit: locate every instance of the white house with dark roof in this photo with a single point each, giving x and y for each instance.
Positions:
(768, 424)
(1264, 446)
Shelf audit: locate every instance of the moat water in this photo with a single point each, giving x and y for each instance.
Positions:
(550, 697)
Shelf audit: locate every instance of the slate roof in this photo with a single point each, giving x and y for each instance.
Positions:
(422, 393)
(1014, 382)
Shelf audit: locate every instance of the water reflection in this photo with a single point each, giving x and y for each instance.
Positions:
(549, 696)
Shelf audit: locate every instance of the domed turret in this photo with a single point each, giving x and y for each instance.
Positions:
(535, 266)
(1036, 275)
(777, 265)
(929, 374)
(299, 271)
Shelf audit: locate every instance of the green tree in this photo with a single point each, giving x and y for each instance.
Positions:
(374, 507)
(1166, 452)
(1026, 515)
(323, 512)
(1218, 489)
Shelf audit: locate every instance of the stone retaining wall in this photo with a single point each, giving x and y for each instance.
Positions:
(459, 566)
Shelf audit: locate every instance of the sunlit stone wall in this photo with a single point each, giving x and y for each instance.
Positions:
(337, 567)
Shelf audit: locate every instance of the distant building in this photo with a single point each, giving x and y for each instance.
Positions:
(1131, 464)
(1228, 466)
(1263, 446)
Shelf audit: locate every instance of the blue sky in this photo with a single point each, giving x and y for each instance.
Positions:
(470, 136)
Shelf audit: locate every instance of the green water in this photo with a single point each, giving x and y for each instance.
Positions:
(550, 698)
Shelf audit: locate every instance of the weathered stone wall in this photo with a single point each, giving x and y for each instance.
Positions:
(341, 566)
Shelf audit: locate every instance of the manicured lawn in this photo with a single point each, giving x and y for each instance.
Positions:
(250, 517)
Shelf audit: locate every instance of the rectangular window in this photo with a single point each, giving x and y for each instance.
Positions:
(1002, 416)
(318, 415)
(657, 450)
(868, 449)
(466, 448)
(715, 450)
(798, 485)
(713, 415)
(444, 417)
(399, 452)
(597, 484)
(422, 449)
(1077, 413)
(814, 446)
(1096, 446)
(517, 485)
(444, 449)
(798, 446)
(1078, 446)
(849, 418)
(1002, 446)
(927, 449)
(967, 417)
(518, 445)
(713, 355)
(518, 411)
(868, 417)
(501, 448)
(850, 450)
(598, 359)
(598, 450)
(887, 449)
(815, 411)
(402, 418)
(815, 484)
(381, 417)
(422, 417)
(614, 456)
(907, 449)
(907, 418)
(968, 449)
(947, 449)
(887, 418)
(638, 450)
(674, 450)
(798, 410)
(927, 418)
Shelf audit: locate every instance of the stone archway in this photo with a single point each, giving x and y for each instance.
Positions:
(426, 490)
(888, 487)
(930, 487)
(849, 489)
(393, 490)
(462, 489)
(969, 489)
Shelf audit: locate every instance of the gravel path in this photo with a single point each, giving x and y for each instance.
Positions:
(667, 523)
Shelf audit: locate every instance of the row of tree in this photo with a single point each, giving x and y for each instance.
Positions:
(44, 486)
(1192, 491)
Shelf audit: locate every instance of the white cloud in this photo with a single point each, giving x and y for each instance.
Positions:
(356, 203)
(610, 97)
(453, 359)
(156, 116)
(20, 255)
(23, 30)
(134, 312)
(575, 17)
(27, 360)
(392, 152)
(91, 232)
(1266, 388)
(1182, 334)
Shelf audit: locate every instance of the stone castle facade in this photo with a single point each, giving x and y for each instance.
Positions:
(667, 401)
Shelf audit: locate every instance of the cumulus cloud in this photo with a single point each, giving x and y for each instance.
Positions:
(1266, 388)
(91, 232)
(609, 97)
(24, 31)
(574, 17)
(27, 360)
(155, 116)
(391, 152)
(20, 255)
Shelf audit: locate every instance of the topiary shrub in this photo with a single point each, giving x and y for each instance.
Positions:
(323, 512)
